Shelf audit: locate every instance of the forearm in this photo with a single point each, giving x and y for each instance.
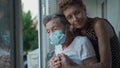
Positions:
(97, 65)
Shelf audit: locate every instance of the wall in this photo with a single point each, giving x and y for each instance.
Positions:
(113, 14)
(91, 6)
(94, 9)
(32, 59)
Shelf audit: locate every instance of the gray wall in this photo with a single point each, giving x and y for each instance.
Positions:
(91, 6)
(113, 14)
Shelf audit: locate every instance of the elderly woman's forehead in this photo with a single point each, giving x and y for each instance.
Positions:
(57, 21)
(54, 22)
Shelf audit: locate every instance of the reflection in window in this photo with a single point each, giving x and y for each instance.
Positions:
(4, 34)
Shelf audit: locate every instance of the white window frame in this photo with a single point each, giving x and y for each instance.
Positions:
(45, 8)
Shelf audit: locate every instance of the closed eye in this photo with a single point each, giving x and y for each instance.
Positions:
(54, 28)
(77, 12)
(69, 17)
(48, 31)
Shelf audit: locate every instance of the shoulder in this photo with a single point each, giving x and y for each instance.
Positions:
(81, 39)
(101, 25)
(84, 49)
(99, 22)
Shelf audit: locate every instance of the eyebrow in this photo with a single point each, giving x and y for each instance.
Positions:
(51, 27)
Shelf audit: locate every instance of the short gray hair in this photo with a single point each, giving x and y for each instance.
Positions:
(61, 18)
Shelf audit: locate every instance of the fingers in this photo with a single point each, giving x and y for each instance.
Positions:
(51, 65)
(54, 59)
(55, 62)
(62, 56)
(57, 58)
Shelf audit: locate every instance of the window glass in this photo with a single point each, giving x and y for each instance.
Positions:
(5, 34)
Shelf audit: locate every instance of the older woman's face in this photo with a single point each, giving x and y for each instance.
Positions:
(54, 25)
(76, 16)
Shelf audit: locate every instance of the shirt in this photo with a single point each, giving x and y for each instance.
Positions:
(79, 49)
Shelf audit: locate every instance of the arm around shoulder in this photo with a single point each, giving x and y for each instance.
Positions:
(103, 43)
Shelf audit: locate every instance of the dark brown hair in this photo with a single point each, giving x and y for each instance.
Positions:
(64, 4)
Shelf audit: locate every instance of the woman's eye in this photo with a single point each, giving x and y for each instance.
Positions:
(48, 32)
(69, 17)
(54, 29)
(77, 12)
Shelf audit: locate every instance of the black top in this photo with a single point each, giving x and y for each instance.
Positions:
(114, 44)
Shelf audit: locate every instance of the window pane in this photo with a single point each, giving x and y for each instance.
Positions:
(5, 38)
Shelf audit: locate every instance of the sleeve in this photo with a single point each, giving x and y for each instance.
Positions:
(86, 50)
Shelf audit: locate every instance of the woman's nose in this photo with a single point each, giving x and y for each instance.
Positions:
(74, 18)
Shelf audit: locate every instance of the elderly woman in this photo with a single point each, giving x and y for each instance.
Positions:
(98, 30)
(78, 49)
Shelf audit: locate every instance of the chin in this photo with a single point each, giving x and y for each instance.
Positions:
(78, 27)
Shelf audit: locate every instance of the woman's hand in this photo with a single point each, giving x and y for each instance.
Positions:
(55, 62)
(5, 61)
(66, 62)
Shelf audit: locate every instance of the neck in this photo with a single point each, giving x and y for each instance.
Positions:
(87, 25)
(68, 41)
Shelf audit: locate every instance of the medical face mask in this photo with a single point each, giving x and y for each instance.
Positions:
(57, 37)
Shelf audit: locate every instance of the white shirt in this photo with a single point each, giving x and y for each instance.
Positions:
(3, 52)
(79, 50)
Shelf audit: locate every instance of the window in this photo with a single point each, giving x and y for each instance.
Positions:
(10, 34)
(5, 34)
(46, 51)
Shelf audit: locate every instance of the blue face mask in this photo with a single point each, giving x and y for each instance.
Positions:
(57, 37)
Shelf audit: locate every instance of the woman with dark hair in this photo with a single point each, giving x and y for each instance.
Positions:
(98, 30)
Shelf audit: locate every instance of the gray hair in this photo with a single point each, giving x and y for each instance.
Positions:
(61, 18)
